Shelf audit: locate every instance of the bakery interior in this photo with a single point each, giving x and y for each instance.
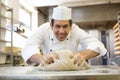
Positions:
(20, 18)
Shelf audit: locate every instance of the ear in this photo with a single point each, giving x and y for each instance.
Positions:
(51, 26)
(70, 27)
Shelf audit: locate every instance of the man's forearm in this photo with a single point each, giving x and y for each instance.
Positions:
(88, 54)
(34, 58)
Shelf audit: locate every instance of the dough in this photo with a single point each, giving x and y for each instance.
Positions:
(63, 63)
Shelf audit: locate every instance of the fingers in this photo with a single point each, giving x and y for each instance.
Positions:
(46, 60)
(78, 59)
(49, 58)
(72, 55)
(55, 56)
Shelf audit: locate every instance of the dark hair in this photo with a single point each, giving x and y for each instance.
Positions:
(70, 22)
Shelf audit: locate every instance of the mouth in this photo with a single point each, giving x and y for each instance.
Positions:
(61, 37)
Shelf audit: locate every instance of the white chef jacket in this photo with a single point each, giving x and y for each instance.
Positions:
(44, 38)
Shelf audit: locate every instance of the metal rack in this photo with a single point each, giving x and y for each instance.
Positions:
(116, 29)
(6, 19)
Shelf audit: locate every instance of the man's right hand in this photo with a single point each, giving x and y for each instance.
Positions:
(43, 59)
(35, 58)
(48, 58)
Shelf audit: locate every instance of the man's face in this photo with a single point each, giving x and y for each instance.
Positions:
(61, 29)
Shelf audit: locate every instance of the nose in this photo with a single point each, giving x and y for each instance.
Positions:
(61, 30)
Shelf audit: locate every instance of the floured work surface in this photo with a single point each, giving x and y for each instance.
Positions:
(64, 63)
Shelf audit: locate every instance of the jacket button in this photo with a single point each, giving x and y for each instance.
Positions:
(50, 50)
(52, 39)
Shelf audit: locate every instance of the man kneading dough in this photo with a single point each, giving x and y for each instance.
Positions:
(61, 34)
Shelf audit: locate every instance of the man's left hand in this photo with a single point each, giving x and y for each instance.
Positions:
(78, 58)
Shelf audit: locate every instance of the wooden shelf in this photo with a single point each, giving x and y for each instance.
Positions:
(1, 27)
(8, 53)
(21, 34)
(7, 7)
(6, 15)
(3, 16)
(6, 24)
(5, 41)
(4, 53)
(5, 65)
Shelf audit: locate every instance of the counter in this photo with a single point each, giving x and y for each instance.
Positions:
(32, 73)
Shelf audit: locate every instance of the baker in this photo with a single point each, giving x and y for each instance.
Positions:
(61, 34)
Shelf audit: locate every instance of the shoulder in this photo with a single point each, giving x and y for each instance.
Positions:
(77, 31)
(76, 28)
(42, 29)
(44, 25)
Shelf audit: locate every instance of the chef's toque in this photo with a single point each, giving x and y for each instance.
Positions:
(61, 13)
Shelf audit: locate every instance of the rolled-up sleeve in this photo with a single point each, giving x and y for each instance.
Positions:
(33, 44)
(97, 47)
(90, 42)
(28, 51)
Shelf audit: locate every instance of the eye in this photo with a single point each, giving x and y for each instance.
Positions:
(65, 26)
(57, 26)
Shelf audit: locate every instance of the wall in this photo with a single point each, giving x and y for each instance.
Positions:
(97, 60)
(95, 13)
(15, 4)
(111, 43)
(110, 46)
(50, 10)
(41, 19)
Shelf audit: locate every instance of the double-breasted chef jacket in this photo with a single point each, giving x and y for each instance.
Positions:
(43, 38)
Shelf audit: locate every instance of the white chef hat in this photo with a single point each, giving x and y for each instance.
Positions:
(61, 13)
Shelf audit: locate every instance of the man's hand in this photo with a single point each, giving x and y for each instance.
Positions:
(49, 58)
(35, 58)
(42, 59)
(46, 59)
(83, 56)
(78, 58)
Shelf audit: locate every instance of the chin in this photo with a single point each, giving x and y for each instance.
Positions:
(61, 39)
